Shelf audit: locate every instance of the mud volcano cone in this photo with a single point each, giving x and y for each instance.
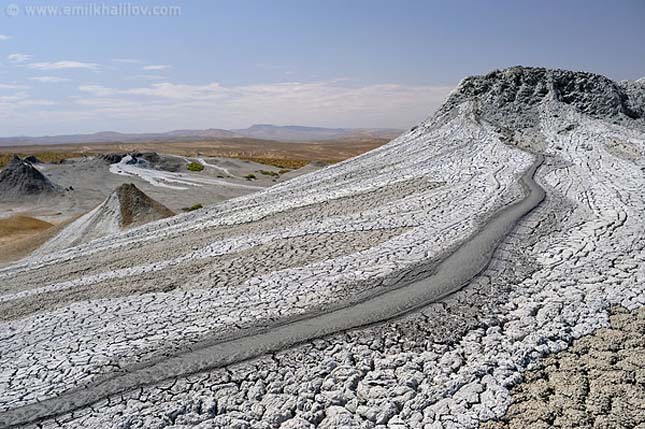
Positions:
(21, 178)
(126, 207)
(136, 208)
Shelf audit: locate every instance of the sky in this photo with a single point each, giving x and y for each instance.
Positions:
(159, 65)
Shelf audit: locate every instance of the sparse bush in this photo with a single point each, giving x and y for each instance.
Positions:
(275, 162)
(284, 171)
(195, 166)
(250, 177)
(269, 173)
(193, 208)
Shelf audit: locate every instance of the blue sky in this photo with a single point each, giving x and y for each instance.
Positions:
(229, 64)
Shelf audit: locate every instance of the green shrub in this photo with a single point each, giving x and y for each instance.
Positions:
(269, 173)
(250, 177)
(193, 207)
(195, 166)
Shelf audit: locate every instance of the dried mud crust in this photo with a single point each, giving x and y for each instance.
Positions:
(598, 383)
(180, 243)
(451, 365)
(223, 271)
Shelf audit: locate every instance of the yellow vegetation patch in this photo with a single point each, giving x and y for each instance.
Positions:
(21, 225)
(291, 164)
(20, 244)
(21, 235)
(52, 157)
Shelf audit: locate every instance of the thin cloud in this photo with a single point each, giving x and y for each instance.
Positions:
(49, 79)
(18, 96)
(127, 60)
(156, 67)
(6, 86)
(18, 58)
(36, 102)
(328, 103)
(97, 90)
(4, 37)
(146, 77)
(163, 105)
(63, 65)
(177, 91)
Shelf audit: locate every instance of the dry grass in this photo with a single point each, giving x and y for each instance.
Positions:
(53, 157)
(20, 225)
(21, 235)
(290, 164)
(269, 152)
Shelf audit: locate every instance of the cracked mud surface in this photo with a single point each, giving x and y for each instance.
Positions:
(451, 364)
(448, 276)
(218, 271)
(598, 383)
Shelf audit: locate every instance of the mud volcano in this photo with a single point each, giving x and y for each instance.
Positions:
(126, 207)
(137, 208)
(21, 178)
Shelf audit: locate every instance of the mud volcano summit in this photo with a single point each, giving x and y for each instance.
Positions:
(411, 286)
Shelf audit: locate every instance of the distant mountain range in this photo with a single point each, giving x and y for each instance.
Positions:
(290, 133)
(298, 133)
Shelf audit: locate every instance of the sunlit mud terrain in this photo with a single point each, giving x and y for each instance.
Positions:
(410, 287)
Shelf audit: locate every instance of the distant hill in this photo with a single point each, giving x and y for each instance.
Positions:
(112, 137)
(299, 133)
(262, 131)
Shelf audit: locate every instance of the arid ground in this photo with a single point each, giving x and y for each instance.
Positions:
(281, 154)
(232, 167)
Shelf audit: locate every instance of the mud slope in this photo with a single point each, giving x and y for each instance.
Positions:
(375, 239)
(450, 275)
